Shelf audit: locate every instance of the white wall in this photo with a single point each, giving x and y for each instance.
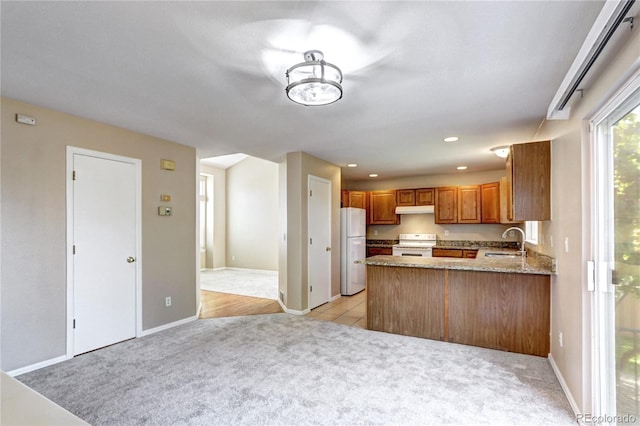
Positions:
(252, 214)
(33, 265)
(292, 280)
(217, 241)
(570, 310)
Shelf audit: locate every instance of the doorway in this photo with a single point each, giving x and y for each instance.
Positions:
(319, 246)
(616, 245)
(103, 238)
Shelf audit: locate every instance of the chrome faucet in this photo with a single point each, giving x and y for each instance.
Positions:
(515, 228)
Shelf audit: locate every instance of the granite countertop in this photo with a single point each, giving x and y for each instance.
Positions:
(481, 263)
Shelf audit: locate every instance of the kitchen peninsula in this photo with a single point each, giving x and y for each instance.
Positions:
(500, 302)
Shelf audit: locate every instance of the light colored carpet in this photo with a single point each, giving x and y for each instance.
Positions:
(245, 282)
(283, 369)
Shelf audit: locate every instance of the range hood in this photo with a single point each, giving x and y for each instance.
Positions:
(415, 210)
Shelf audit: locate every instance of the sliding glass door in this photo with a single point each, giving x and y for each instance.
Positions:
(617, 258)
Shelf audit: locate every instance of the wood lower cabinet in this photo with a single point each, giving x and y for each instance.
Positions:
(461, 253)
(410, 303)
(490, 196)
(382, 208)
(357, 199)
(510, 312)
(383, 251)
(439, 252)
(504, 311)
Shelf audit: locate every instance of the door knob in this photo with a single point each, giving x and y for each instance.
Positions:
(131, 259)
(327, 249)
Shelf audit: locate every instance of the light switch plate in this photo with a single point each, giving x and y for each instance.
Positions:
(165, 197)
(25, 119)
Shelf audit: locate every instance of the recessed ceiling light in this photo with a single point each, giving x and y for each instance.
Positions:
(462, 167)
(451, 139)
(352, 165)
(373, 175)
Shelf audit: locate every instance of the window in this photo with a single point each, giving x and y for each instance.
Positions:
(531, 232)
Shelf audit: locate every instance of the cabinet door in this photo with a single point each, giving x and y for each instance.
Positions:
(446, 204)
(406, 197)
(425, 197)
(531, 180)
(382, 208)
(490, 197)
(469, 208)
(358, 199)
(509, 186)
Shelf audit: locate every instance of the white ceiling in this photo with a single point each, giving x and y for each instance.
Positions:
(195, 73)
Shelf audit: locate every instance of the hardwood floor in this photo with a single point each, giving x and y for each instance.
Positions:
(349, 310)
(216, 305)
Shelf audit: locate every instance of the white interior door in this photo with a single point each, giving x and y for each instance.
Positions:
(104, 235)
(319, 244)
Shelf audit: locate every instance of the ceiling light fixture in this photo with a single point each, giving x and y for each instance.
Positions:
(352, 165)
(461, 167)
(451, 139)
(373, 175)
(501, 151)
(314, 82)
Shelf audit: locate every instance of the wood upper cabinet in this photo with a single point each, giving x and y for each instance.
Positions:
(446, 204)
(490, 196)
(425, 197)
(382, 208)
(469, 207)
(416, 197)
(406, 197)
(529, 177)
(357, 199)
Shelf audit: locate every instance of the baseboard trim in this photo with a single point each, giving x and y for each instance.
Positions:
(167, 326)
(336, 297)
(292, 311)
(564, 386)
(37, 366)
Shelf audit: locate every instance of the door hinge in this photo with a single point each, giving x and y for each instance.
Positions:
(74, 175)
(310, 240)
(311, 193)
(310, 289)
(74, 249)
(74, 323)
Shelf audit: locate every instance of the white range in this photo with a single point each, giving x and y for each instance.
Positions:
(415, 245)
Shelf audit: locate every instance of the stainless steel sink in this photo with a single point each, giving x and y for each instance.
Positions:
(503, 255)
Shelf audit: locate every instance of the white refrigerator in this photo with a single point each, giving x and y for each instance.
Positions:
(353, 246)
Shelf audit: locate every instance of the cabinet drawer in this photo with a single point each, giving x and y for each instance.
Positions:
(375, 251)
(447, 252)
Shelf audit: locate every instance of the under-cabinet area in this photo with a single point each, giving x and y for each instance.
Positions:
(505, 307)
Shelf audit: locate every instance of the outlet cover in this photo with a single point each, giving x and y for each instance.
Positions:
(167, 301)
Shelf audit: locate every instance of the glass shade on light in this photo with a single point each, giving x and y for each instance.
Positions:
(314, 82)
(501, 151)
